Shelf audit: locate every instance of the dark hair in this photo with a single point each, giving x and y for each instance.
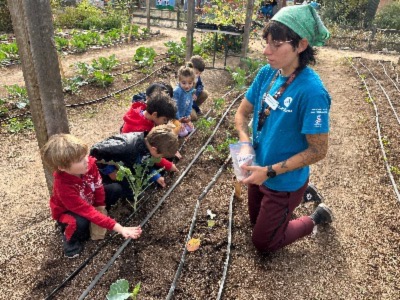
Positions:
(163, 105)
(186, 71)
(280, 32)
(160, 87)
(198, 63)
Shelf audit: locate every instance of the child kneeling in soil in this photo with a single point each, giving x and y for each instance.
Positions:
(134, 148)
(183, 95)
(79, 199)
(142, 117)
(200, 94)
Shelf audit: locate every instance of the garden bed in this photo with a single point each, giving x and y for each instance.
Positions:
(355, 258)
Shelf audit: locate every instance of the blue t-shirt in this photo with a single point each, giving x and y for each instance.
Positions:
(303, 109)
(184, 101)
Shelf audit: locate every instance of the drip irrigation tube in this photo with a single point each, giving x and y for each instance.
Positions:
(126, 243)
(394, 83)
(396, 191)
(98, 99)
(84, 263)
(383, 90)
(228, 247)
(189, 235)
(97, 250)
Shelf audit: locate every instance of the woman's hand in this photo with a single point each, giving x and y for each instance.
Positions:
(258, 175)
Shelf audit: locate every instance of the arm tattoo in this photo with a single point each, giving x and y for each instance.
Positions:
(317, 148)
(283, 164)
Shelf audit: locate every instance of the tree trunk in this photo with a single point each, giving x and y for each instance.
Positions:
(370, 12)
(246, 34)
(190, 30)
(33, 28)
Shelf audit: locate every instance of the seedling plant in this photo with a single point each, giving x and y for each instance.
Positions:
(239, 76)
(144, 57)
(205, 125)
(139, 179)
(119, 290)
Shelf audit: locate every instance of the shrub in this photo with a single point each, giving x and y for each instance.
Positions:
(388, 16)
(74, 17)
(5, 18)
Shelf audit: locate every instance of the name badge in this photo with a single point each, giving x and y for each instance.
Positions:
(271, 102)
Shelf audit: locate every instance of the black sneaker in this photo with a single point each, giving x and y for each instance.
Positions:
(322, 215)
(311, 195)
(72, 249)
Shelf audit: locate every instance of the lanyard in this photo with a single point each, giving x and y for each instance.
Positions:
(265, 110)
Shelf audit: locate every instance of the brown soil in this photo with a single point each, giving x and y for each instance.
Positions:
(357, 257)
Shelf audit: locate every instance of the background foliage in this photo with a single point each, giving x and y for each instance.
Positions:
(5, 18)
(389, 16)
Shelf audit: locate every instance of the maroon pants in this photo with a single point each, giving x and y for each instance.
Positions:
(270, 212)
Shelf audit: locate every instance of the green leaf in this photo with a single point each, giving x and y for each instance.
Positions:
(136, 290)
(119, 290)
(210, 223)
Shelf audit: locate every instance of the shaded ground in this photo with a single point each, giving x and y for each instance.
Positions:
(355, 258)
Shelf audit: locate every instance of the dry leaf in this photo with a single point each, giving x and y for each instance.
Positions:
(193, 245)
(211, 223)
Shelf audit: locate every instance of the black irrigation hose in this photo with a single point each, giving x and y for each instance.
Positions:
(189, 235)
(383, 90)
(205, 116)
(379, 132)
(119, 91)
(387, 75)
(97, 250)
(98, 99)
(126, 243)
(228, 247)
(68, 105)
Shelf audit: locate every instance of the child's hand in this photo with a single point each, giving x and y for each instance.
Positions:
(183, 120)
(128, 232)
(131, 232)
(194, 97)
(174, 168)
(113, 175)
(161, 181)
(178, 155)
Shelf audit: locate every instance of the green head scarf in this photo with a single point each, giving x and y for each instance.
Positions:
(304, 20)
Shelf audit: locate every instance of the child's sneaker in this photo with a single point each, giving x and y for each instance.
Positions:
(183, 131)
(189, 127)
(322, 215)
(311, 195)
(72, 249)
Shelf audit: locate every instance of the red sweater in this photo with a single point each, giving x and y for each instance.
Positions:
(80, 196)
(135, 121)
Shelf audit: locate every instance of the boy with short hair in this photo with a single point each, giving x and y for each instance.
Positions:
(142, 117)
(134, 148)
(78, 193)
(200, 95)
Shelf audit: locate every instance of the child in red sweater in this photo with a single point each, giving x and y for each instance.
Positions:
(157, 108)
(78, 193)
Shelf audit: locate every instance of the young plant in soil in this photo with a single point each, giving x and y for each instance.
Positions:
(119, 290)
(239, 76)
(205, 125)
(139, 179)
(144, 57)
